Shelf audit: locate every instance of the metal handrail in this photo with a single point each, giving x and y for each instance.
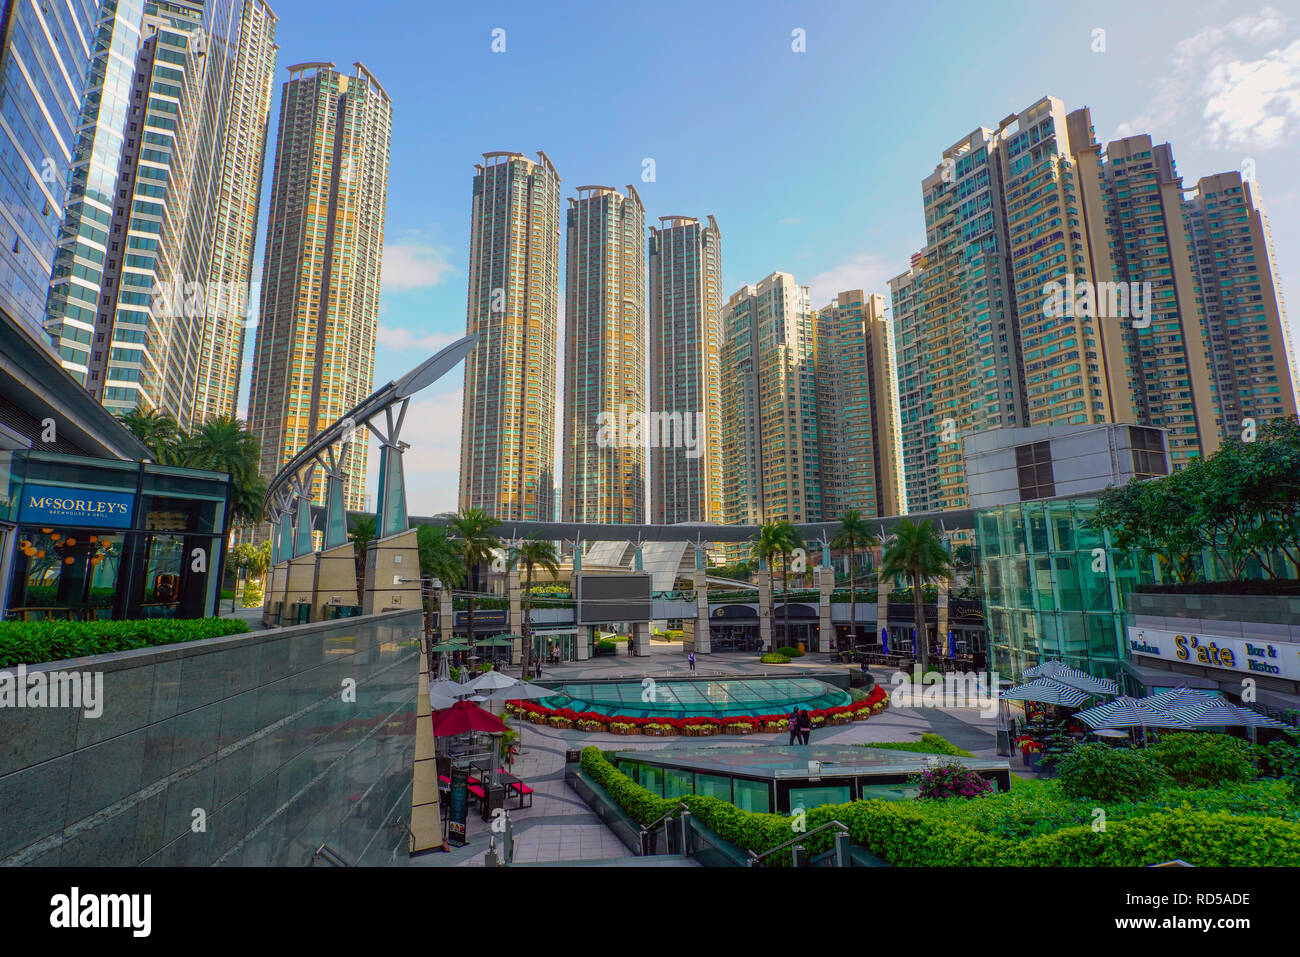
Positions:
(681, 806)
(758, 858)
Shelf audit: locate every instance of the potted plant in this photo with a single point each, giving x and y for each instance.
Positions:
(1030, 748)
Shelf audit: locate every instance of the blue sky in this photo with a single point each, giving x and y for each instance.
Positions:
(811, 161)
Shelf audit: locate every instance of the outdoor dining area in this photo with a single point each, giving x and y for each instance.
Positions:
(494, 650)
(1064, 706)
(475, 748)
(947, 659)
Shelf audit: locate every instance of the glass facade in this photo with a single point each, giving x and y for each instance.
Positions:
(94, 539)
(1054, 587)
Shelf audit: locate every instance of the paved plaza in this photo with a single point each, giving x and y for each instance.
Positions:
(560, 828)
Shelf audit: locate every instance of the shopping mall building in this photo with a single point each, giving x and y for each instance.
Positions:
(89, 528)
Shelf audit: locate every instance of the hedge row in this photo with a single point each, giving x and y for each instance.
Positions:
(922, 834)
(34, 642)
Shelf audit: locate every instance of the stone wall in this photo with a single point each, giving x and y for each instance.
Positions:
(254, 749)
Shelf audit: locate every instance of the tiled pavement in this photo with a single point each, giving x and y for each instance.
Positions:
(559, 827)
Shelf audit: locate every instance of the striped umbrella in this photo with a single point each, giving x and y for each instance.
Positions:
(1200, 709)
(1046, 691)
(1126, 712)
(1059, 671)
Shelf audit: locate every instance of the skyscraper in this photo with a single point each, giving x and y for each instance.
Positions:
(685, 262)
(507, 457)
(770, 444)
(44, 65)
(1119, 301)
(205, 365)
(79, 309)
(151, 282)
(605, 366)
(315, 352)
(1253, 358)
(857, 408)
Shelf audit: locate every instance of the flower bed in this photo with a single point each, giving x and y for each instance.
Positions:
(698, 726)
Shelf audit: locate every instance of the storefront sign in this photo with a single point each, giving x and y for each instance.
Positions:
(1277, 659)
(49, 505)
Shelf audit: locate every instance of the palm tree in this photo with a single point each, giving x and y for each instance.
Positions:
(440, 560)
(533, 552)
(224, 444)
(916, 551)
(853, 535)
(474, 529)
(157, 430)
(777, 540)
(362, 533)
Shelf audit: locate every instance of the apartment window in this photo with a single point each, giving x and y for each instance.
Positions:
(1034, 471)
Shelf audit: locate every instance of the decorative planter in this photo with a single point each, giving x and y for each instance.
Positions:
(1031, 759)
(563, 723)
(653, 732)
(743, 729)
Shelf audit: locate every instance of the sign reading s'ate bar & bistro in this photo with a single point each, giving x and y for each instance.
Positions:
(1248, 656)
(50, 505)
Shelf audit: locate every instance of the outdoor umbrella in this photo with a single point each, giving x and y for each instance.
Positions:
(1126, 712)
(884, 641)
(444, 668)
(952, 645)
(913, 642)
(462, 717)
(517, 691)
(453, 645)
(440, 702)
(492, 680)
(1215, 712)
(1046, 691)
(1058, 671)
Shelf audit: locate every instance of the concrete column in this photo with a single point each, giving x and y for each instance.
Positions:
(426, 820)
(392, 574)
(826, 628)
(515, 595)
(584, 642)
(941, 621)
(765, 607)
(641, 639)
(702, 645)
(336, 580)
(882, 605)
(446, 615)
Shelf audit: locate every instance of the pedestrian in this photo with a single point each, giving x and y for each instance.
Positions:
(793, 725)
(805, 725)
(691, 659)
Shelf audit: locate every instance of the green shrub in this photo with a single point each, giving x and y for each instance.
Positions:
(605, 644)
(227, 594)
(1281, 759)
(790, 652)
(253, 595)
(33, 642)
(1203, 760)
(929, 744)
(774, 658)
(1035, 824)
(1108, 774)
(951, 780)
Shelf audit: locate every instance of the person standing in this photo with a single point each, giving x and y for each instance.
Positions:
(691, 659)
(793, 725)
(805, 725)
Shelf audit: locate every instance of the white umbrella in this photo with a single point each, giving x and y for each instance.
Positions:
(1047, 691)
(444, 668)
(1059, 671)
(492, 680)
(516, 692)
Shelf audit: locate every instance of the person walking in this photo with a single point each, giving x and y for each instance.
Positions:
(691, 659)
(805, 725)
(793, 725)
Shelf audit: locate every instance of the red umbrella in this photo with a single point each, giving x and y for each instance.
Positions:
(465, 716)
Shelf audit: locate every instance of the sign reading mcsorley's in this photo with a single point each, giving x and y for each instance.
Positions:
(45, 504)
(1279, 659)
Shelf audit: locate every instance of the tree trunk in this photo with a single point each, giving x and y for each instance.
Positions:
(922, 633)
(469, 614)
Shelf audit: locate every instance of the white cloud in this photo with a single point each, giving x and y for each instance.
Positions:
(865, 271)
(1254, 102)
(414, 265)
(405, 340)
(431, 465)
(1249, 99)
